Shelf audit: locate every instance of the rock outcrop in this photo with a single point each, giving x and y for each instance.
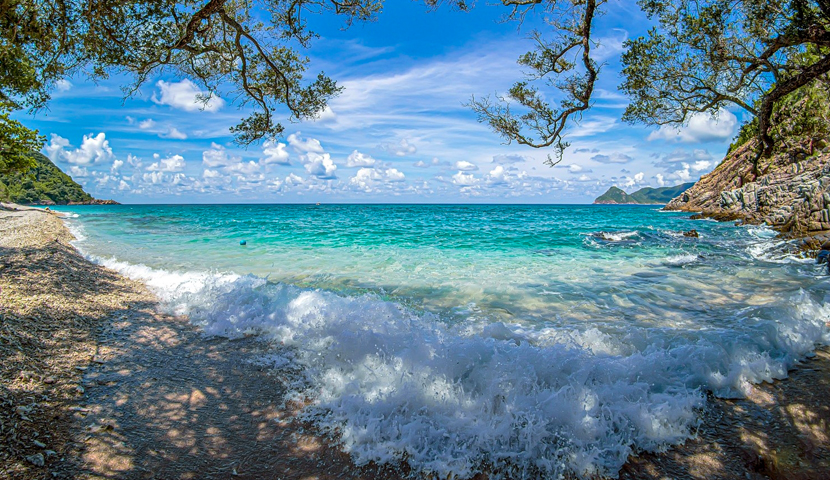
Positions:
(791, 193)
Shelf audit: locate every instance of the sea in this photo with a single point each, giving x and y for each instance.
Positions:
(526, 341)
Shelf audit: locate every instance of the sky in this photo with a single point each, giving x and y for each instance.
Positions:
(399, 133)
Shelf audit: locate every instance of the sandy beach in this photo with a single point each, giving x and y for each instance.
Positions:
(96, 383)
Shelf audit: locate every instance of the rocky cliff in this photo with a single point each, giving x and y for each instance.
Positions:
(791, 193)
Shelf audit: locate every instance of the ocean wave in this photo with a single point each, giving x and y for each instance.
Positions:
(453, 400)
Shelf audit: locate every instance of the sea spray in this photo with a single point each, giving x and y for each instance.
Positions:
(451, 400)
(442, 337)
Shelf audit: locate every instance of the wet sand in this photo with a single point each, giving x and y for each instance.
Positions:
(97, 384)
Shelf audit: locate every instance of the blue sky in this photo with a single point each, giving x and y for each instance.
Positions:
(398, 133)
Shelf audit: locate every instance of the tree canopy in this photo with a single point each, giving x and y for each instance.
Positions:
(701, 56)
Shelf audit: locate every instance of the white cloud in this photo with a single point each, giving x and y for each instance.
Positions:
(326, 115)
(76, 171)
(465, 166)
(634, 181)
(134, 161)
(432, 163)
(122, 185)
(116, 165)
(609, 46)
(146, 124)
(185, 95)
(369, 179)
(613, 158)
(311, 145)
(401, 149)
(574, 168)
(497, 176)
(357, 159)
(93, 150)
(174, 163)
(701, 165)
(208, 173)
(274, 153)
(63, 85)
(294, 179)
(217, 156)
(701, 127)
(320, 166)
(509, 159)
(463, 179)
(174, 133)
(247, 171)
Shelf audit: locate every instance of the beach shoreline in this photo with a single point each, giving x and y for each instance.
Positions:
(113, 388)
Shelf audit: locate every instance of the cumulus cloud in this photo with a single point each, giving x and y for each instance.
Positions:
(210, 174)
(320, 166)
(116, 165)
(637, 179)
(670, 161)
(464, 179)
(76, 171)
(613, 158)
(357, 159)
(174, 163)
(245, 171)
(370, 179)
(432, 163)
(701, 127)
(92, 150)
(217, 156)
(146, 124)
(134, 161)
(574, 168)
(186, 95)
(301, 145)
(465, 166)
(274, 153)
(326, 115)
(497, 176)
(400, 149)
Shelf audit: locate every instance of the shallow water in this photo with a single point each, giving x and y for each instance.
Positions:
(531, 339)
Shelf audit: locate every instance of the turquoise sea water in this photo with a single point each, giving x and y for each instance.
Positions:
(531, 340)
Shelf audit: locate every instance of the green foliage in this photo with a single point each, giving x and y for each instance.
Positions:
(645, 196)
(709, 55)
(253, 48)
(44, 183)
(16, 141)
(661, 195)
(803, 116)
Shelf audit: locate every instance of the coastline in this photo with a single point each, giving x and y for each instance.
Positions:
(156, 397)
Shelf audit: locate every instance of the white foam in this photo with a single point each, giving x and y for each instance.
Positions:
(680, 260)
(522, 402)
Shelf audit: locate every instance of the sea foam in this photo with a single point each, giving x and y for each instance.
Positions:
(396, 385)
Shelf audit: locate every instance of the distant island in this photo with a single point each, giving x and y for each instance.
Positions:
(45, 184)
(643, 196)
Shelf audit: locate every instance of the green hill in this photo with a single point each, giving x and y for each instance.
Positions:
(645, 196)
(45, 184)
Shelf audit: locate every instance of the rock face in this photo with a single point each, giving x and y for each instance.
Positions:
(791, 194)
